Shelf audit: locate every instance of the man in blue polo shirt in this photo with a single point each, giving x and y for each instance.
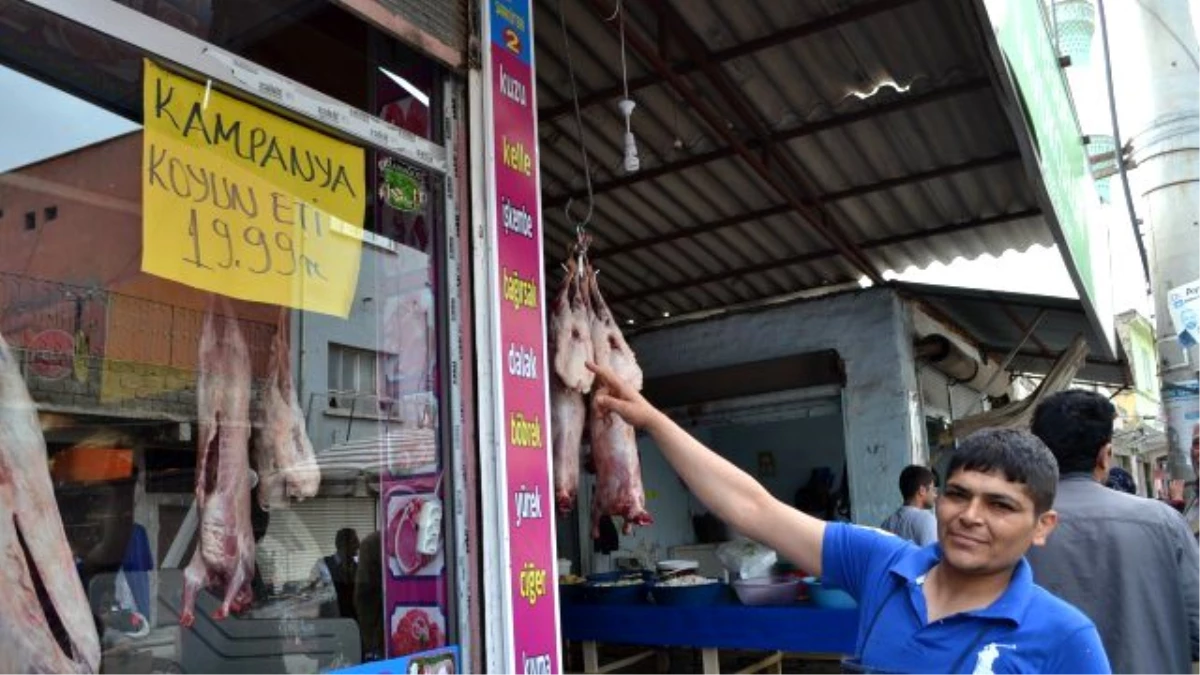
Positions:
(967, 604)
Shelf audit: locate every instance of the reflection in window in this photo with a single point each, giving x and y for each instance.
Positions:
(38, 121)
(110, 353)
(351, 374)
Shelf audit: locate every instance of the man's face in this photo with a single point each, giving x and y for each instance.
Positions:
(986, 522)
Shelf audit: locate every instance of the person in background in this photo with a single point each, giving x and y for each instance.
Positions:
(914, 520)
(1188, 500)
(968, 604)
(1128, 562)
(368, 597)
(1120, 479)
(263, 582)
(339, 570)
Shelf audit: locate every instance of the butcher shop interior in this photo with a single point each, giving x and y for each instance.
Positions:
(244, 344)
(241, 406)
(737, 186)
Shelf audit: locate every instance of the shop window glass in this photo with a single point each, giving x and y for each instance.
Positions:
(335, 43)
(164, 302)
(353, 374)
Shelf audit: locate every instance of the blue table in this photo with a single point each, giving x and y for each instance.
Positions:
(800, 628)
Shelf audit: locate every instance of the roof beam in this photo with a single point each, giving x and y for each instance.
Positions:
(685, 232)
(818, 221)
(1027, 354)
(552, 112)
(906, 103)
(1025, 328)
(780, 209)
(826, 253)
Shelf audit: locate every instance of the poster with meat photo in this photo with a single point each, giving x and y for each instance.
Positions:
(413, 542)
(416, 629)
(414, 562)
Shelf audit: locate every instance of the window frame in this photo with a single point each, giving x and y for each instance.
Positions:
(251, 81)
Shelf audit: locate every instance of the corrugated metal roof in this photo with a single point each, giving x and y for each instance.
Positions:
(930, 173)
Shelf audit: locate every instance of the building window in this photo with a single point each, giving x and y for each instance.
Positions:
(351, 374)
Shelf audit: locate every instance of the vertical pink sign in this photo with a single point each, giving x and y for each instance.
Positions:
(530, 566)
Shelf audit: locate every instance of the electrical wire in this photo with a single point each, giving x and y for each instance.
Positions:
(624, 68)
(1120, 148)
(626, 105)
(581, 225)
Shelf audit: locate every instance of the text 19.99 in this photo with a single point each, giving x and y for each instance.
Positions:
(218, 244)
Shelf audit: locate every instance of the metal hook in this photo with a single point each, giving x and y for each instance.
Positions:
(587, 169)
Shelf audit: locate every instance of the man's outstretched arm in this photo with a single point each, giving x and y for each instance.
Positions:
(726, 490)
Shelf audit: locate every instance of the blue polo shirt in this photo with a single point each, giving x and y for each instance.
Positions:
(1026, 630)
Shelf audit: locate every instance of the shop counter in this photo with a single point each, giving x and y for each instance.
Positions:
(799, 628)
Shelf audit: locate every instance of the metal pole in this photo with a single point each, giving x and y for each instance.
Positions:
(1119, 153)
(1155, 50)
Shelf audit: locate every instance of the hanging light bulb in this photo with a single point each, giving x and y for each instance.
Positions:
(632, 163)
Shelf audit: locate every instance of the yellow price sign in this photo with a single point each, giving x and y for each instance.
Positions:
(242, 202)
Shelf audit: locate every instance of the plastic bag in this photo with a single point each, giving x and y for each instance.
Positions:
(745, 558)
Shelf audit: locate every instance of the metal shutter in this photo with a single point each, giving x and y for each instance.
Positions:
(298, 536)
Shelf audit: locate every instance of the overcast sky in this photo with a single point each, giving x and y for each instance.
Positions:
(38, 121)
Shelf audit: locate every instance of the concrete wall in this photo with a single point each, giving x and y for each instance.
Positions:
(797, 447)
(871, 330)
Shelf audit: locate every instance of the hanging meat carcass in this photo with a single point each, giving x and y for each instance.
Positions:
(284, 458)
(35, 550)
(571, 347)
(224, 557)
(408, 339)
(571, 331)
(614, 443)
(568, 415)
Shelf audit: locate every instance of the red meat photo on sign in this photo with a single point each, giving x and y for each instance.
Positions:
(414, 533)
(417, 629)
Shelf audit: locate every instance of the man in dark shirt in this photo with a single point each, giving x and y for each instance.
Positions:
(1128, 562)
(339, 570)
(343, 566)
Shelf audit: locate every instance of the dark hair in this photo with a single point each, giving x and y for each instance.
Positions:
(344, 536)
(1074, 424)
(1120, 479)
(1019, 455)
(913, 478)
